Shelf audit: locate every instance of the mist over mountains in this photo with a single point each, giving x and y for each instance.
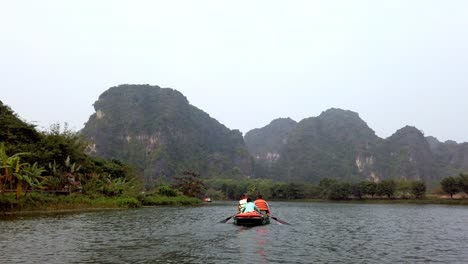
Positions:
(162, 134)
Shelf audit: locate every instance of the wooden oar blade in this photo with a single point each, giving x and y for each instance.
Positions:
(227, 219)
(280, 221)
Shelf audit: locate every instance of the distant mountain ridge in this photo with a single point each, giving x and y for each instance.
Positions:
(159, 132)
(339, 144)
(162, 134)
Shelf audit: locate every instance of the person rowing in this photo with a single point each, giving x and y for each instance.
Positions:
(262, 205)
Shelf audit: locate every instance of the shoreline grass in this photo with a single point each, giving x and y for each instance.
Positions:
(39, 202)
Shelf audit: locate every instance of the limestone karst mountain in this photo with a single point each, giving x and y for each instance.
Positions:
(162, 134)
(339, 144)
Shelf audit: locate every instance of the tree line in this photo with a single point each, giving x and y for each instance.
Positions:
(328, 188)
(453, 185)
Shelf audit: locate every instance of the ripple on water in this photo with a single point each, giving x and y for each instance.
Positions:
(320, 233)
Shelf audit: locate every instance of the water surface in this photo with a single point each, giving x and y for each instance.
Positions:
(320, 233)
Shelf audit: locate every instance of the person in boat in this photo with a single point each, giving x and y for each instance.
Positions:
(262, 205)
(242, 202)
(250, 207)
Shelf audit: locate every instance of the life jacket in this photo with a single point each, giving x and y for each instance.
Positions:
(262, 205)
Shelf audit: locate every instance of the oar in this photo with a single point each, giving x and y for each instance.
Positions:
(280, 221)
(227, 219)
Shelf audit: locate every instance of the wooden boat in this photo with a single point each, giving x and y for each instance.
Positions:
(251, 219)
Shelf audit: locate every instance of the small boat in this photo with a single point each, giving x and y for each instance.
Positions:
(207, 200)
(251, 219)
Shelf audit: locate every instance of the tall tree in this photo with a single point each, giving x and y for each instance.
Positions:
(418, 189)
(190, 184)
(450, 185)
(386, 187)
(463, 182)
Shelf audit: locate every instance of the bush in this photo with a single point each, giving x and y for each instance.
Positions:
(339, 191)
(418, 189)
(129, 202)
(450, 185)
(386, 187)
(166, 191)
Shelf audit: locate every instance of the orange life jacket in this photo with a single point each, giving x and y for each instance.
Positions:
(262, 205)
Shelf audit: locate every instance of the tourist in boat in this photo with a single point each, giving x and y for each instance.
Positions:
(250, 207)
(242, 202)
(262, 205)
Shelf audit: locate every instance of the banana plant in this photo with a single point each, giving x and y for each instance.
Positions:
(28, 177)
(8, 166)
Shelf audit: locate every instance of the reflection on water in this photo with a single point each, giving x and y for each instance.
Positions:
(320, 233)
(252, 244)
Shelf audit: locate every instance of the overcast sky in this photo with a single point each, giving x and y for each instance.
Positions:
(245, 63)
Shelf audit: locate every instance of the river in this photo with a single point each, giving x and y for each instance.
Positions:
(319, 233)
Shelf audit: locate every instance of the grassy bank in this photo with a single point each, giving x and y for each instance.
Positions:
(76, 201)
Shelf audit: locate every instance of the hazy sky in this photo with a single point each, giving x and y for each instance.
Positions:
(245, 63)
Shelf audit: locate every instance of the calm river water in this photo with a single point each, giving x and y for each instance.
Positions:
(319, 233)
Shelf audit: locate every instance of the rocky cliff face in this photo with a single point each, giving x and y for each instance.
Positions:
(450, 157)
(405, 154)
(326, 146)
(158, 131)
(266, 143)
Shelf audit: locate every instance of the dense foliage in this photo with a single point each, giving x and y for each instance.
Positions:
(56, 163)
(453, 185)
(328, 188)
(36, 166)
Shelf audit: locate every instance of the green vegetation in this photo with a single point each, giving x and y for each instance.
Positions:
(148, 146)
(453, 185)
(50, 170)
(328, 188)
(44, 201)
(387, 191)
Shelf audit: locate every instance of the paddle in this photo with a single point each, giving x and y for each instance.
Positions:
(280, 221)
(227, 219)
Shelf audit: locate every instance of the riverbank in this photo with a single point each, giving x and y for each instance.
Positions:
(34, 202)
